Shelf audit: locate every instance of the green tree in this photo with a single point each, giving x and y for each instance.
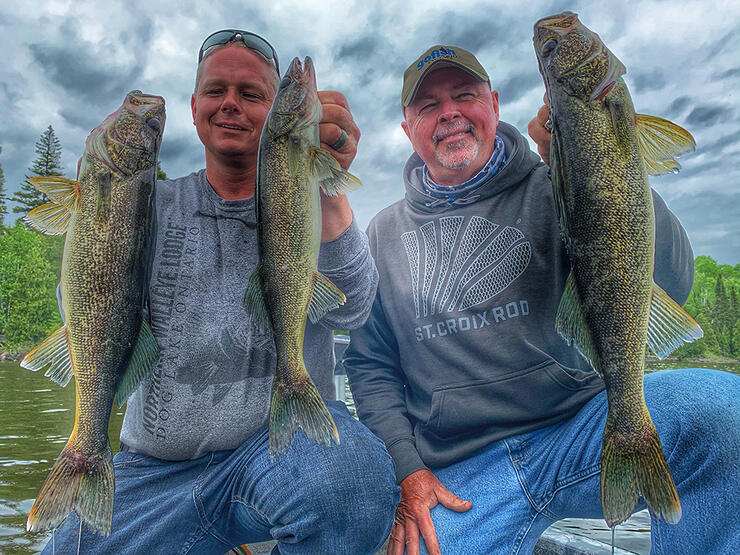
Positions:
(3, 206)
(161, 176)
(28, 306)
(48, 162)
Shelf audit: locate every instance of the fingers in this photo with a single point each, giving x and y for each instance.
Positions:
(397, 540)
(452, 501)
(540, 134)
(412, 538)
(430, 537)
(335, 118)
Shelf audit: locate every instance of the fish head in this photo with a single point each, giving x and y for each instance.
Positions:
(573, 58)
(296, 105)
(128, 140)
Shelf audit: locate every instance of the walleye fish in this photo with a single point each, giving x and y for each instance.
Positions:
(286, 286)
(108, 216)
(601, 155)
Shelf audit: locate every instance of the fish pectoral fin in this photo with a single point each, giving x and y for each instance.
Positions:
(332, 179)
(53, 218)
(49, 218)
(570, 323)
(669, 325)
(143, 358)
(621, 124)
(661, 141)
(53, 350)
(254, 303)
(102, 198)
(326, 296)
(60, 190)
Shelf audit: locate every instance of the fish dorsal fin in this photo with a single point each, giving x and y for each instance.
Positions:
(53, 350)
(254, 303)
(332, 179)
(326, 296)
(142, 360)
(570, 323)
(53, 218)
(669, 325)
(661, 141)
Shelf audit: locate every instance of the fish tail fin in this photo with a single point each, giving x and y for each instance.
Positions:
(296, 406)
(633, 465)
(76, 483)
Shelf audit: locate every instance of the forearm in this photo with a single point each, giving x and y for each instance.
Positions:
(347, 262)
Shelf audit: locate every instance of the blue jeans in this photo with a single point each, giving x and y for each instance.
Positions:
(314, 499)
(521, 485)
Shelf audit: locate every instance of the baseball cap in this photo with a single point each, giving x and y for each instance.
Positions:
(435, 57)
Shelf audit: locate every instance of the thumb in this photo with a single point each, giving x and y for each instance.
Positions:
(452, 501)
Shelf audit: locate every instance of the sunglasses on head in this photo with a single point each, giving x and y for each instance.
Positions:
(250, 40)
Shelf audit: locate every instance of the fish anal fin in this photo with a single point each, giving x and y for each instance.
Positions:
(326, 296)
(332, 179)
(669, 325)
(143, 358)
(53, 351)
(661, 141)
(570, 323)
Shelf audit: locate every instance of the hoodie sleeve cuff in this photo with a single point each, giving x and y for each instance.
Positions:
(406, 457)
(339, 252)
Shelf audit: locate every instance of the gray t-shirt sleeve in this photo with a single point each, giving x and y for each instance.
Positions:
(347, 262)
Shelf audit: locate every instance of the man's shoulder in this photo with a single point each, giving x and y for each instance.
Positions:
(386, 216)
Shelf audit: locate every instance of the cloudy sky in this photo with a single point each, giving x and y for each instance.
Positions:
(69, 63)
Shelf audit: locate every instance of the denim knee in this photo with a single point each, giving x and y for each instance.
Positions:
(358, 497)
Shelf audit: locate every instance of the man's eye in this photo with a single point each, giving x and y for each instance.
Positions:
(214, 91)
(465, 95)
(427, 107)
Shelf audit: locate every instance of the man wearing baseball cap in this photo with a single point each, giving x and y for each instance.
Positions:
(493, 421)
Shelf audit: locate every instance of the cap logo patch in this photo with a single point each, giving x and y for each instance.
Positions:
(436, 54)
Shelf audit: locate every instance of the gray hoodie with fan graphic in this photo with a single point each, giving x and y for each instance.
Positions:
(460, 348)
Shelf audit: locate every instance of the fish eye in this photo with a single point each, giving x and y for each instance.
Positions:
(548, 47)
(153, 123)
(284, 83)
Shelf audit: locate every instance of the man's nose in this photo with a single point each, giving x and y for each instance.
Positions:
(231, 101)
(449, 111)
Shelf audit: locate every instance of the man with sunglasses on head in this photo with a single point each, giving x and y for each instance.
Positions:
(194, 474)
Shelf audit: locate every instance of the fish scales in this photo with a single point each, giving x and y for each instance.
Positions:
(286, 287)
(108, 217)
(601, 154)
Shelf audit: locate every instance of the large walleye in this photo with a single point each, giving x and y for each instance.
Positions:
(601, 155)
(105, 342)
(286, 286)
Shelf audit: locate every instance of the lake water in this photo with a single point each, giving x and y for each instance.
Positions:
(37, 416)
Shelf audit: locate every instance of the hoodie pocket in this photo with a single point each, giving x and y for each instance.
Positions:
(541, 393)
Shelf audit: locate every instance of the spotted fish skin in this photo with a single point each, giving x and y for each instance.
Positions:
(286, 287)
(601, 155)
(105, 343)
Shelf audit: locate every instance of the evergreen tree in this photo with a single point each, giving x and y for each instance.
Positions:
(161, 176)
(48, 162)
(719, 312)
(3, 206)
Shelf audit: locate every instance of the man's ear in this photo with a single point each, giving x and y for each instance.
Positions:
(405, 127)
(192, 106)
(494, 98)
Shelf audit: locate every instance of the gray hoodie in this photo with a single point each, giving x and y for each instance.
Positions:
(210, 389)
(460, 348)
